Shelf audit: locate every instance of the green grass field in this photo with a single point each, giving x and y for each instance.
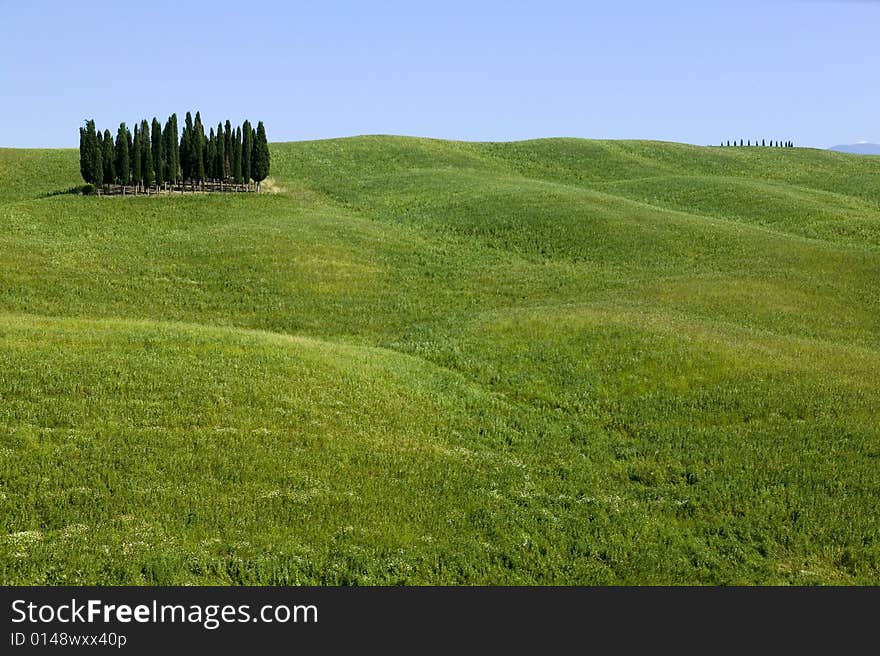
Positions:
(428, 362)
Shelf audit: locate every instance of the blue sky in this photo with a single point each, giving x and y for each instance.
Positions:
(681, 70)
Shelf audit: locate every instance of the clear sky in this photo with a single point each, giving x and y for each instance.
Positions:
(696, 71)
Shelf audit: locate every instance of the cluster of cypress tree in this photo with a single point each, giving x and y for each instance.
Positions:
(153, 156)
(763, 144)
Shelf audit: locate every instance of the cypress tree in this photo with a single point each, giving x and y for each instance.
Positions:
(146, 155)
(186, 149)
(247, 145)
(148, 164)
(260, 160)
(236, 155)
(146, 152)
(175, 149)
(183, 149)
(122, 163)
(90, 154)
(205, 162)
(96, 170)
(198, 148)
(168, 151)
(227, 149)
(84, 169)
(107, 159)
(156, 151)
(100, 137)
(171, 150)
(136, 157)
(220, 153)
(211, 171)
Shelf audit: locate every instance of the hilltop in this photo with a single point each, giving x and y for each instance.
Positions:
(421, 361)
(858, 149)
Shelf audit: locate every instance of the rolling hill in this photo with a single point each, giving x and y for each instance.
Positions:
(862, 148)
(428, 362)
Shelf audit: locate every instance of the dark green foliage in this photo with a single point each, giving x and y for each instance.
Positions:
(205, 162)
(153, 154)
(168, 150)
(136, 157)
(84, 169)
(212, 155)
(171, 149)
(85, 153)
(236, 156)
(187, 156)
(247, 147)
(100, 138)
(199, 143)
(108, 158)
(90, 154)
(147, 165)
(227, 150)
(175, 149)
(146, 150)
(95, 165)
(220, 153)
(156, 151)
(88, 189)
(123, 164)
(260, 157)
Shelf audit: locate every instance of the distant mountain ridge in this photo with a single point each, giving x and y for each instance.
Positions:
(858, 149)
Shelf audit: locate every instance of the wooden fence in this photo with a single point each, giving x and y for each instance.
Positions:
(177, 188)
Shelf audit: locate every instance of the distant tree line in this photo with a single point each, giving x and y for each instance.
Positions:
(158, 158)
(764, 144)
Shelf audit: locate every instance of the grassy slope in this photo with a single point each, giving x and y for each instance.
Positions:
(557, 361)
